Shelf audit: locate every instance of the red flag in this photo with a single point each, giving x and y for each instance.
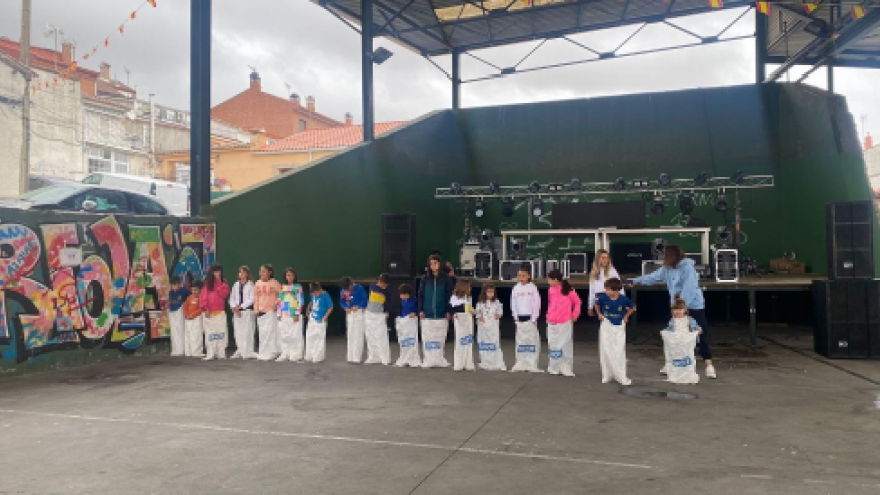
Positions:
(122, 29)
(107, 42)
(86, 56)
(810, 7)
(152, 2)
(134, 14)
(858, 11)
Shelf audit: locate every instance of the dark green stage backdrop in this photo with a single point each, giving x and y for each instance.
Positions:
(325, 220)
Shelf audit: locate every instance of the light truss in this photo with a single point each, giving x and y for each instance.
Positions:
(604, 188)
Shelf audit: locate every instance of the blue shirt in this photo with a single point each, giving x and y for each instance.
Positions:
(613, 309)
(408, 307)
(356, 297)
(320, 306)
(176, 298)
(682, 279)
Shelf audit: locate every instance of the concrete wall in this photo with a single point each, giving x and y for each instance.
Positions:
(110, 304)
(12, 87)
(56, 129)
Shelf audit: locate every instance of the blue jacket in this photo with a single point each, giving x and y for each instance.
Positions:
(682, 279)
(356, 297)
(692, 325)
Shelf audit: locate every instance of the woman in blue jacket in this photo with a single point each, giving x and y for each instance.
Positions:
(681, 278)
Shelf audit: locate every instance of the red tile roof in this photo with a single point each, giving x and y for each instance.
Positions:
(332, 138)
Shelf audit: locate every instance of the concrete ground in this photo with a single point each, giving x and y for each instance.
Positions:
(777, 420)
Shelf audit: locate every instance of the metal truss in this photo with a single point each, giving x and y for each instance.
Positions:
(635, 186)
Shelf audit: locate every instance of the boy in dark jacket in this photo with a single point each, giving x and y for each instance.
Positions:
(435, 289)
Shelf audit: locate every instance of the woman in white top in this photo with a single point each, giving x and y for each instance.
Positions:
(602, 271)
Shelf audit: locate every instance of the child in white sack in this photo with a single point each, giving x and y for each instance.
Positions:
(679, 339)
(489, 312)
(613, 310)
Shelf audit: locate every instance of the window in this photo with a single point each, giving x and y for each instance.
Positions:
(106, 200)
(182, 173)
(302, 125)
(120, 162)
(146, 206)
(99, 160)
(172, 115)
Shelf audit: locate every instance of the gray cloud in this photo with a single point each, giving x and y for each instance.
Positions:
(298, 43)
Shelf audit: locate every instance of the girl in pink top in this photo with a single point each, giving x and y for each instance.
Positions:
(563, 308)
(213, 301)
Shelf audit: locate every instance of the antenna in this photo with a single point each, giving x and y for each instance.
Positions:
(253, 69)
(288, 88)
(127, 76)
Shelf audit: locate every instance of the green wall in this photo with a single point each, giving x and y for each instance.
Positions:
(325, 219)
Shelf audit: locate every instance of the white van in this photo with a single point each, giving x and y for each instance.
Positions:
(173, 194)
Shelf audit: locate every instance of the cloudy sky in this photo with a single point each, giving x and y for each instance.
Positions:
(296, 42)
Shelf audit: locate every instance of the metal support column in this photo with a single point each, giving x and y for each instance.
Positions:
(367, 67)
(200, 106)
(456, 79)
(835, 5)
(760, 47)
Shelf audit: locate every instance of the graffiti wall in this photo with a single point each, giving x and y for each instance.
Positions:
(74, 283)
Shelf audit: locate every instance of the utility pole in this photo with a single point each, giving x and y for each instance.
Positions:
(26, 97)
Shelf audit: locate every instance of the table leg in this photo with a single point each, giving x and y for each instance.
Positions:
(753, 318)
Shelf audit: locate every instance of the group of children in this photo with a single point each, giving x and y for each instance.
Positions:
(198, 323)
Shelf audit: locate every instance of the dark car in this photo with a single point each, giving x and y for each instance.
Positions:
(84, 197)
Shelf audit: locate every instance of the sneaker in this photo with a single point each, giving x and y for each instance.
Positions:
(553, 372)
(710, 372)
(281, 359)
(208, 358)
(664, 370)
(627, 382)
(237, 355)
(567, 373)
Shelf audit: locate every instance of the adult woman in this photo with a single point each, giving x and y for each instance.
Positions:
(681, 279)
(435, 289)
(602, 271)
(213, 301)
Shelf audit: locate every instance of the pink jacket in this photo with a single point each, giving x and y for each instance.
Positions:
(214, 300)
(562, 308)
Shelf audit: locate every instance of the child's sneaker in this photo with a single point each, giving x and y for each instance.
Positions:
(282, 358)
(627, 382)
(710, 372)
(553, 372)
(237, 355)
(567, 373)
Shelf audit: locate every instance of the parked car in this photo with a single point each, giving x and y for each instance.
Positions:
(83, 197)
(173, 194)
(37, 181)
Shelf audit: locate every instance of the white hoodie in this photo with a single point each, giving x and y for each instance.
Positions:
(525, 301)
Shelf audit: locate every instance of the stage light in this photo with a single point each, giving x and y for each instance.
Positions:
(665, 180)
(479, 208)
(701, 179)
(494, 187)
(640, 183)
(507, 207)
(721, 201)
(455, 188)
(575, 185)
(686, 203)
(380, 55)
(534, 187)
(658, 206)
(738, 177)
(555, 187)
(619, 184)
(537, 207)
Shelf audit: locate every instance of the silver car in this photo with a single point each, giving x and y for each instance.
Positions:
(88, 198)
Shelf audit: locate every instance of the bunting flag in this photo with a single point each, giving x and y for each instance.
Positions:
(122, 29)
(858, 11)
(152, 2)
(764, 8)
(133, 14)
(810, 7)
(107, 42)
(716, 4)
(86, 56)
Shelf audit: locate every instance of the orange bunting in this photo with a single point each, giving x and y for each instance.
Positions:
(107, 42)
(133, 14)
(152, 2)
(72, 66)
(716, 4)
(95, 49)
(858, 11)
(122, 29)
(86, 56)
(764, 7)
(810, 7)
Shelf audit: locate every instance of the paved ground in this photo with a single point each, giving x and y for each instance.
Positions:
(778, 420)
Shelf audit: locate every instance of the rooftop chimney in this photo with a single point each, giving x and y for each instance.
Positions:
(255, 81)
(310, 103)
(295, 99)
(348, 120)
(869, 141)
(66, 53)
(105, 71)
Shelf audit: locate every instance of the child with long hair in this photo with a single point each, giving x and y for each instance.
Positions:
(462, 309)
(563, 308)
(378, 349)
(194, 332)
(679, 339)
(613, 310)
(316, 333)
(241, 300)
(435, 289)
(290, 324)
(265, 303)
(213, 302)
(407, 326)
(489, 312)
(525, 304)
(176, 298)
(602, 270)
(353, 299)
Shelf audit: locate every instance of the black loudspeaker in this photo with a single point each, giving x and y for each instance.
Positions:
(399, 244)
(850, 240)
(577, 263)
(627, 257)
(658, 246)
(484, 265)
(726, 265)
(847, 319)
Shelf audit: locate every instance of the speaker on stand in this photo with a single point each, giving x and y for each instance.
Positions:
(399, 244)
(850, 240)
